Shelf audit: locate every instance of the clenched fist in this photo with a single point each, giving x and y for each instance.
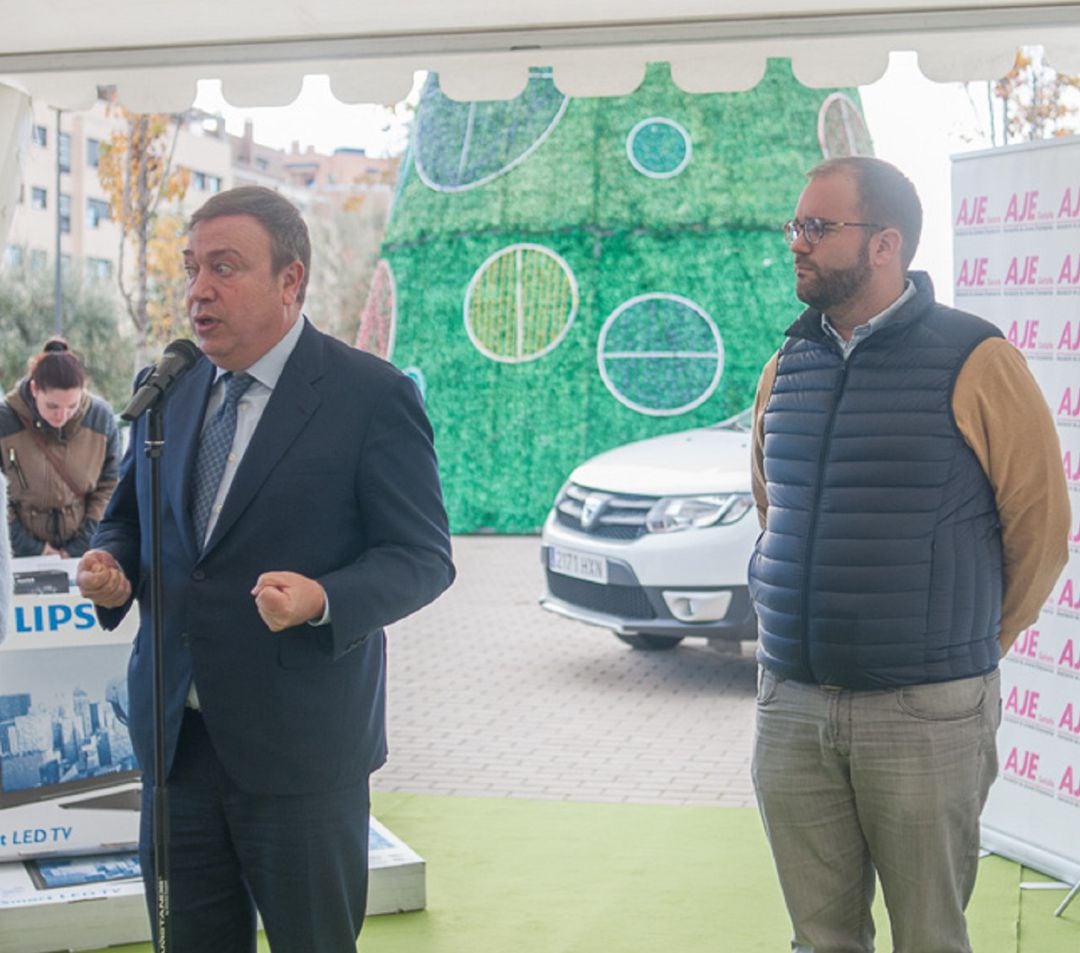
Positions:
(285, 599)
(101, 580)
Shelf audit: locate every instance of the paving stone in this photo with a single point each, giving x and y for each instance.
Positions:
(491, 696)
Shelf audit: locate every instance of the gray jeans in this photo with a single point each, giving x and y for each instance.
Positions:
(850, 783)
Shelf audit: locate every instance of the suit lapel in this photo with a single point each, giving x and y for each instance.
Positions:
(184, 412)
(291, 406)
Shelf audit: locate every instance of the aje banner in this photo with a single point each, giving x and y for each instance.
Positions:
(1016, 227)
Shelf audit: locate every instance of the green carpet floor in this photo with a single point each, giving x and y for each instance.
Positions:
(512, 876)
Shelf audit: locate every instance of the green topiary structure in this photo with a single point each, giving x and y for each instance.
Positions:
(562, 276)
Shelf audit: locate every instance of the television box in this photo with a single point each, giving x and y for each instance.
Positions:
(88, 902)
(68, 777)
(93, 902)
(397, 879)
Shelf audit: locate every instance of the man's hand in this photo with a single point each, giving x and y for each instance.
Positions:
(101, 580)
(285, 599)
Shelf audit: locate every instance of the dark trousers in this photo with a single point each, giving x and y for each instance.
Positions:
(301, 861)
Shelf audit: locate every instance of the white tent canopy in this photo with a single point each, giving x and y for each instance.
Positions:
(156, 51)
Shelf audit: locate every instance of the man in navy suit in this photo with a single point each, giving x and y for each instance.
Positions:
(327, 525)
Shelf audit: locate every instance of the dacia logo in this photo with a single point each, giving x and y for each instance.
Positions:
(593, 508)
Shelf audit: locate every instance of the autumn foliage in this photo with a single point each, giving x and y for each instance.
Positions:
(136, 173)
(1038, 102)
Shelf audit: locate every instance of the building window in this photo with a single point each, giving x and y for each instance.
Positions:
(13, 256)
(93, 149)
(97, 211)
(262, 164)
(39, 198)
(65, 152)
(205, 182)
(65, 264)
(65, 213)
(98, 269)
(40, 136)
(38, 260)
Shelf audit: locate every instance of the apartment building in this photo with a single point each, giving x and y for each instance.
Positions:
(62, 195)
(312, 180)
(67, 146)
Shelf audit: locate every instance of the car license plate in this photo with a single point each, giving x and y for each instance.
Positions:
(568, 562)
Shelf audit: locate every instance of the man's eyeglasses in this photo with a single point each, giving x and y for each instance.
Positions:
(815, 229)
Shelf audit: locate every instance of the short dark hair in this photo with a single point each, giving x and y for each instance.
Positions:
(56, 367)
(886, 196)
(289, 239)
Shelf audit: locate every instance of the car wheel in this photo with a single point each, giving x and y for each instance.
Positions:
(650, 643)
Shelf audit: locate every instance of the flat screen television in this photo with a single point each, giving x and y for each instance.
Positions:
(63, 726)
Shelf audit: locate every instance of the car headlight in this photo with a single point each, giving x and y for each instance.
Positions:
(671, 514)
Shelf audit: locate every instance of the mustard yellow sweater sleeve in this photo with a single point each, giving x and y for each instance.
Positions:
(1003, 416)
(757, 463)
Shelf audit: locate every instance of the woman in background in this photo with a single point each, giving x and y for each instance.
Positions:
(60, 451)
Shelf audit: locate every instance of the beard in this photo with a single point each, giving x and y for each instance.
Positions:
(827, 288)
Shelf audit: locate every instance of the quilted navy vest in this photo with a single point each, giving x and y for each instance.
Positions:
(880, 564)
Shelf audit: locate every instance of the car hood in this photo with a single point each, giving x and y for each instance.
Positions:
(706, 460)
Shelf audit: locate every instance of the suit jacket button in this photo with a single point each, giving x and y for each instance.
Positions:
(198, 575)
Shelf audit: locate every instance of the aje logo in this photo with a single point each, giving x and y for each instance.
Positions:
(1068, 343)
(1068, 600)
(1068, 279)
(1069, 206)
(1022, 271)
(1068, 725)
(1074, 537)
(1069, 785)
(1069, 660)
(1068, 407)
(1022, 766)
(973, 276)
(1023, 209)
(1025, 650)
(972, 213)
(1023, 705)
(1024, 336)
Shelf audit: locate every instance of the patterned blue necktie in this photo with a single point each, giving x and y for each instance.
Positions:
(214, 447)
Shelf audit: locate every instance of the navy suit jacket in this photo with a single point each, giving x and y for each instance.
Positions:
(340, 484)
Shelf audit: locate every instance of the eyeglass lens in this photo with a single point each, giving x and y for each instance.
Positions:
(813, 229)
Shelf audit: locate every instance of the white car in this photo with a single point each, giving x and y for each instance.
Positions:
(652, 540)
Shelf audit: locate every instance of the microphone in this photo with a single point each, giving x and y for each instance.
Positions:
(178, 357)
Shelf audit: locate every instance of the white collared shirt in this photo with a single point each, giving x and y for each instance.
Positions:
(266, 371)
(863, 331)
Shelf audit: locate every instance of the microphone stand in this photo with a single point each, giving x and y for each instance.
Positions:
(154, 446)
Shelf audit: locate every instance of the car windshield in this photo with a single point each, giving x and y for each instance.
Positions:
(742, 422)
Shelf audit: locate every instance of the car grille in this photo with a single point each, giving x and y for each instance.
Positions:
(626, 602)
(611, 516)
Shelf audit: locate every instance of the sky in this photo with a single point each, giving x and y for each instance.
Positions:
(915, 124)
(315, 118)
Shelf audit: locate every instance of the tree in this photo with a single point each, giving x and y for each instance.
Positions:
(166, 307)
(135, 169)
(1035, 101)
(345, 250)
(26, 322)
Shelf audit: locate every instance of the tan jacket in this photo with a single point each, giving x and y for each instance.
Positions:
(42, 506)
(1003, 417)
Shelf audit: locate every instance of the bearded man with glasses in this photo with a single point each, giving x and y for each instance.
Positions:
(915, 517)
